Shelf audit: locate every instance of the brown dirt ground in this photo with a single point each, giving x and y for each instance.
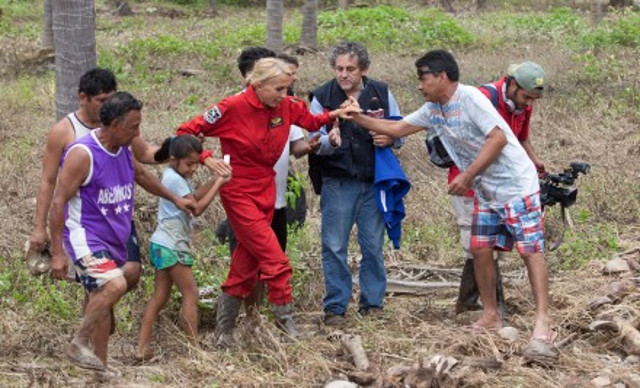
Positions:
(565, 128)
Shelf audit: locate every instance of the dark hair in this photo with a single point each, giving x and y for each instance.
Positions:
(178, 147)
(289, 59)
(350, 48)
(249, 56)
(117, 106)
(97, 81)
(439, 61)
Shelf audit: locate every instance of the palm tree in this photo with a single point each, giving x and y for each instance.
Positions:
(46, 39)
(309, 36)
(275, 12)
(74, 26)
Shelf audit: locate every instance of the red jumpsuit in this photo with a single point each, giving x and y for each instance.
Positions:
(254, 137)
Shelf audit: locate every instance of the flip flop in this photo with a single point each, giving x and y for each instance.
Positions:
(541, 350)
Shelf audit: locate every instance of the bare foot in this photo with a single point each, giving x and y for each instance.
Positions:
(83, 357)
(488, 321)
(542, 331)
(144, 353)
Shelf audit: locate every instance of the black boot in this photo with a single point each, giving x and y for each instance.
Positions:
(500, 292)
(284, 319)
(227, 312)
(468, 295)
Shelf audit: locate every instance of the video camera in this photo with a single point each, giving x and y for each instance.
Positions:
(558, 188)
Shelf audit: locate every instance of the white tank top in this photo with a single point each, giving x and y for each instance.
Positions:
(79, 128)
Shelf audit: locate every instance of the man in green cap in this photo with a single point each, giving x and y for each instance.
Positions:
(512, 96)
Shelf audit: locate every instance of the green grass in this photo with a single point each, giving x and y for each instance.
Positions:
(18, 18)
(587, 242)
(620, 30)
(39, 298)
(386, 28)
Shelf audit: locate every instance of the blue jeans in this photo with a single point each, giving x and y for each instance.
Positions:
(346, 202)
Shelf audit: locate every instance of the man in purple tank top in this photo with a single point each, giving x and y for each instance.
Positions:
(91, 214)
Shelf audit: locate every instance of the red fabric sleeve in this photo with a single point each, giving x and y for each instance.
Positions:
(205, 154)
(301, 116)
(209, 124)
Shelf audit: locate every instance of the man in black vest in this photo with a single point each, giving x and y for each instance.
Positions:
(344, 169)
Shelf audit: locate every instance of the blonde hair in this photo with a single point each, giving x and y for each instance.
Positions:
(267, 68)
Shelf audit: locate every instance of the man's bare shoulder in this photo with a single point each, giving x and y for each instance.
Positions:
(61, 133)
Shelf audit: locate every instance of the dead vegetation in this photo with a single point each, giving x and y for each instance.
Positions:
(415, 339)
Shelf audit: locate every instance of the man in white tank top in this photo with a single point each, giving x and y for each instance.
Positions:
(94, 88)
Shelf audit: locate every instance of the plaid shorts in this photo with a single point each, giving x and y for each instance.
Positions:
(96, 269)
(518, 222)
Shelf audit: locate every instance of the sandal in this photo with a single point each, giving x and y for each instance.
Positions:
(541, 350)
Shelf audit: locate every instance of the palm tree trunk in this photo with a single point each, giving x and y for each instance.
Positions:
(75, 46)
(309, 36)
(46, 40)
(275, 12)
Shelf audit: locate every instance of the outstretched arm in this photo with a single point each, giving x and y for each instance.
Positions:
(75, 171)
(205, 194)
(392, 128)
(142, 151)
(152, 184)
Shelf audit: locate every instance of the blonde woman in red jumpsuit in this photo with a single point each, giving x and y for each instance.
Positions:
(253, 127)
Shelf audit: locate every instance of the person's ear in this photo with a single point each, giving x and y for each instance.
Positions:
(82, 96)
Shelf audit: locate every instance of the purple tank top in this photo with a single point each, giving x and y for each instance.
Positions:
(99, 216)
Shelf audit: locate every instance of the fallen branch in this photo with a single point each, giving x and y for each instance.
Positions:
(417, 288)
(396, 286)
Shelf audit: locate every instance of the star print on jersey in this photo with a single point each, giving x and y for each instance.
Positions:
(104, 211)
(119, 209)
(126, 207)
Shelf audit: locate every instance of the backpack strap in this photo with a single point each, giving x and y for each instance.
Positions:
(493, 93)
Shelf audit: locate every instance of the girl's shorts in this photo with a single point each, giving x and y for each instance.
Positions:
(163, 257)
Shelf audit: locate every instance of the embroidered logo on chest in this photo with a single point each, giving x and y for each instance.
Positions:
(275, 122)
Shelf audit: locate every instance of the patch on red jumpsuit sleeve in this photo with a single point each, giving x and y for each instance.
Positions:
(212, 115)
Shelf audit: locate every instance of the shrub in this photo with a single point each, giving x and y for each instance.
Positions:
(388, 28)
(623, 31)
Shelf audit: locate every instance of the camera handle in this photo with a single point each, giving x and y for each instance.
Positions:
(565, 223)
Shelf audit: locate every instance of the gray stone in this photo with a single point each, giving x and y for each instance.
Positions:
(616, 266)
(509, 333)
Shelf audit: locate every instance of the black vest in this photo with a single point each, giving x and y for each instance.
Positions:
(355, 158)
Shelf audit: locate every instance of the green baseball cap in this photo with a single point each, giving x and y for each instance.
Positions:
(529, 75)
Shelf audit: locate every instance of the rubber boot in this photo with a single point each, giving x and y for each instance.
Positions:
(227, 312)
(468, 295)
(500, 292)
(284, 319)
